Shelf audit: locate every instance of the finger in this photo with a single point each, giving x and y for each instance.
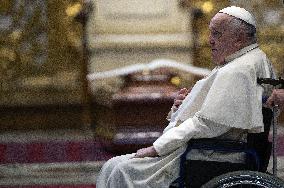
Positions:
(279, 91)
(174, 108)
(180, 97)
(269, 102)
(134, 156)
(177, 102)
(182, 91)
(139, 155)
(276, 99)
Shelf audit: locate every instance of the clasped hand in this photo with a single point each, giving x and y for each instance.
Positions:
(150, 151)
(146, 152)
(276, 98)
(180, 97)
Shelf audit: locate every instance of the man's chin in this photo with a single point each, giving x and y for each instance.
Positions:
(217, 63)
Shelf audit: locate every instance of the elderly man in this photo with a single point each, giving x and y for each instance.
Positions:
(225, 104)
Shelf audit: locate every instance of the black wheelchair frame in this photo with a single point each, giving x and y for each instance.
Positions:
(252, 173)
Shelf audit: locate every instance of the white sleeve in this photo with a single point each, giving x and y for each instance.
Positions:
(180, 135)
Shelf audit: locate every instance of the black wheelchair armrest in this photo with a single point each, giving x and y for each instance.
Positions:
(217, 144)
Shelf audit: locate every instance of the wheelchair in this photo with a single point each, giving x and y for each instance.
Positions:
(249, 174)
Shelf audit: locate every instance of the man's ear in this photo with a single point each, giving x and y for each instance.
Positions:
(241, 39)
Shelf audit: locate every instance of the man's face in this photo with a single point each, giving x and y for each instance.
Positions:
(222, 40)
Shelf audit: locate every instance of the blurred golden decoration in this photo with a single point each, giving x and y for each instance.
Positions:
(41, 81)
(207, 6)
(176, 80)
(5, 5)
(16, 35)
(59, 81)
(74, 39)
(7, 54)
(73, 10)
(275, 52)
(34, 53)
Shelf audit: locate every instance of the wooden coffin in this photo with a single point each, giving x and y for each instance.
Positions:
(140, 109)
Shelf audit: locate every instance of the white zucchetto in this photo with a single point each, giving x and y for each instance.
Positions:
(240, 13)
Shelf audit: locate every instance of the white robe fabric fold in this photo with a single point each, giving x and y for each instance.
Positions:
(225, 104)
(149, 172)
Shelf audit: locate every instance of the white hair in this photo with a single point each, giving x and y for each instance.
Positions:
(250, 31)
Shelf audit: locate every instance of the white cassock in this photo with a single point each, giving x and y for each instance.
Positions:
(225, 104)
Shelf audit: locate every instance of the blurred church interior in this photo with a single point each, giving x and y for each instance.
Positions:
(60, 121)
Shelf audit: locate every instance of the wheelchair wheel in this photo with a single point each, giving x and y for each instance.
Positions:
(245, 179)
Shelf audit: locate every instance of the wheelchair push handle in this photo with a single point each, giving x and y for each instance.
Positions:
(271, 81)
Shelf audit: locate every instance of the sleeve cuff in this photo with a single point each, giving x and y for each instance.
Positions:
(175, 137)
